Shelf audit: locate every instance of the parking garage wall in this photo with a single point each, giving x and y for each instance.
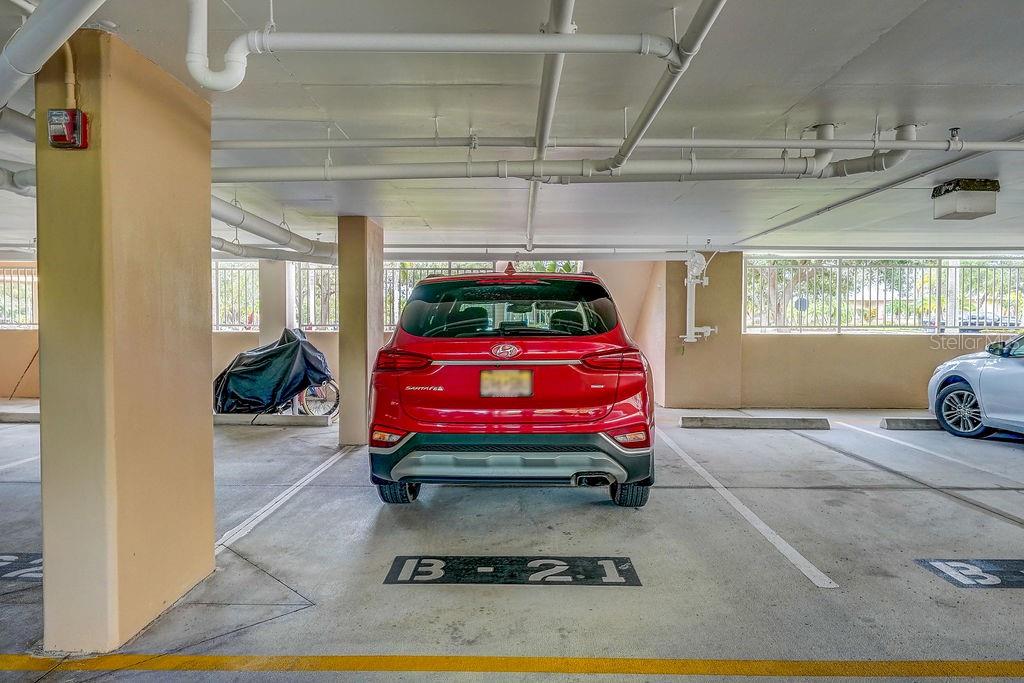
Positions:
(736, 370)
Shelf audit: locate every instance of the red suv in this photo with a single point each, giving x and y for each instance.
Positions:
(511, 378)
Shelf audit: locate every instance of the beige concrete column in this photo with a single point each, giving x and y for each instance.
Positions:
(707, 373)
(124, 268)
(277, 305)
(360, 320)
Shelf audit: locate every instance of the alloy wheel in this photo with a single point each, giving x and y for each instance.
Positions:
(960, 409)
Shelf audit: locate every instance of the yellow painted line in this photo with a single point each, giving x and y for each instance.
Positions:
(555, 665)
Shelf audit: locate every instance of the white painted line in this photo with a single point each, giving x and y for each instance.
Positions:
(18, 462)
(268, 509)
(929, 452)
(817, 577)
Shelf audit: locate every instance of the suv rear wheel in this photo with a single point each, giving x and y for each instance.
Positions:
(398, 492)
(630, 495)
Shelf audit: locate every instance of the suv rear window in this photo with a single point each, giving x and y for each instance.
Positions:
(489, 308)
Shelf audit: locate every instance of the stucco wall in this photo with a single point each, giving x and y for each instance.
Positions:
(736, 370)
(650, 327)
(17, 348)
(845, 370)
(627, 281)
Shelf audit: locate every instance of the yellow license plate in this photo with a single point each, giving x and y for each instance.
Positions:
(506, 383)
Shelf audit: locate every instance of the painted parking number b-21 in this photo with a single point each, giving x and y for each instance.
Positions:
(579, 571)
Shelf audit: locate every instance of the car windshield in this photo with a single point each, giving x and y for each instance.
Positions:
(492, 308)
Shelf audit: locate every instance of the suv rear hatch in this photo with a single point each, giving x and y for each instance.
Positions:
(510, 350)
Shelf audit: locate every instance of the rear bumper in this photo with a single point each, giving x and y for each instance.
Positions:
(508, 458)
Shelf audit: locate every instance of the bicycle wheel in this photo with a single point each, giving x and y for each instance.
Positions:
(322, 400)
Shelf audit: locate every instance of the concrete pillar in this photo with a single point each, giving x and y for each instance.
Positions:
(707, 373)
(277, 300)
(360, 320)
(124, 265)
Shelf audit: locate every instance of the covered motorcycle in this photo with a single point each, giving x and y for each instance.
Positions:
(262, 379)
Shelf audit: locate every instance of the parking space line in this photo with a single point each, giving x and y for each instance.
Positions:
(927, 451)
(250, 523)
(817, 577)
(785, 668)
(14, 464)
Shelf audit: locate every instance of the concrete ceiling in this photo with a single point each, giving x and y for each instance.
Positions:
(765, 66)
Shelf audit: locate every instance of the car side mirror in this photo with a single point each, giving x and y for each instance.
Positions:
(997, 348)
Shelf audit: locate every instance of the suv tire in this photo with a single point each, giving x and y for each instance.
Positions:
(630, 495)
(398, 492)
(956, 423)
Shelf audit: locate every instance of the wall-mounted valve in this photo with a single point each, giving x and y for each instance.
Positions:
(696, 266)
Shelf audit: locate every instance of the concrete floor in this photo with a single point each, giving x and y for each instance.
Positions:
(854, 505)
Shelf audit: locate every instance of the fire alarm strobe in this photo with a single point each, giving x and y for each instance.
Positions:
(68, 128)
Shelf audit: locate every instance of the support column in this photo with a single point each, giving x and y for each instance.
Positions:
(360, 320)
(277, 301)
(124, 318)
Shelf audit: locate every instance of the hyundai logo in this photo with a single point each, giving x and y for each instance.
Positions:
(505, 350)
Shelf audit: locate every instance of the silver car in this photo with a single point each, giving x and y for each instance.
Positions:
(976, 394)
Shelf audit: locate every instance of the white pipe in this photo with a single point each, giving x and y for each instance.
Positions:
(510, 169)
(23, 182)
(878, 161)
(559, 21)
(268, 254)
(17, 124)
(942, 145)
(49, 27)
(25, 6)
(237, 217)
(235, 60)
(689, 46)
(9, 182)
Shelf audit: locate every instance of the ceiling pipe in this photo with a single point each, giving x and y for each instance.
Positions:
(9, 182)
(941, 145)
(265, 253)
(559, 21)
(23, 182)
(872, 163)
(527, 170)
(237, 217)
(689, 46)
(259, 42)
(18, 124)
(46, 29)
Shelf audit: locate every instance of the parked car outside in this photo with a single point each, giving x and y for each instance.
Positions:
(512, 378)
(978, 393)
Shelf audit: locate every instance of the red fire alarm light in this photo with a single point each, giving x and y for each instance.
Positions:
(68, 128)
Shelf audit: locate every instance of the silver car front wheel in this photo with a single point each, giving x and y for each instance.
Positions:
(959, 412)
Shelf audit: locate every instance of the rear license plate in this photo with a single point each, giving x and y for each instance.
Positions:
(506, 383)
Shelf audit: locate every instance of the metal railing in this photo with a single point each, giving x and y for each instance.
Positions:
(236, 296)
(883, 295)
(400, 277)
(19, 297)
(316, 297)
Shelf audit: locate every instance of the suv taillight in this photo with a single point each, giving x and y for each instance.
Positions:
(616, 360)
(635, 436)
(385, 437)
(390, 361)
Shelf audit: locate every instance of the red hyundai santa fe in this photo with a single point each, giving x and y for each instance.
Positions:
(511, 378)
